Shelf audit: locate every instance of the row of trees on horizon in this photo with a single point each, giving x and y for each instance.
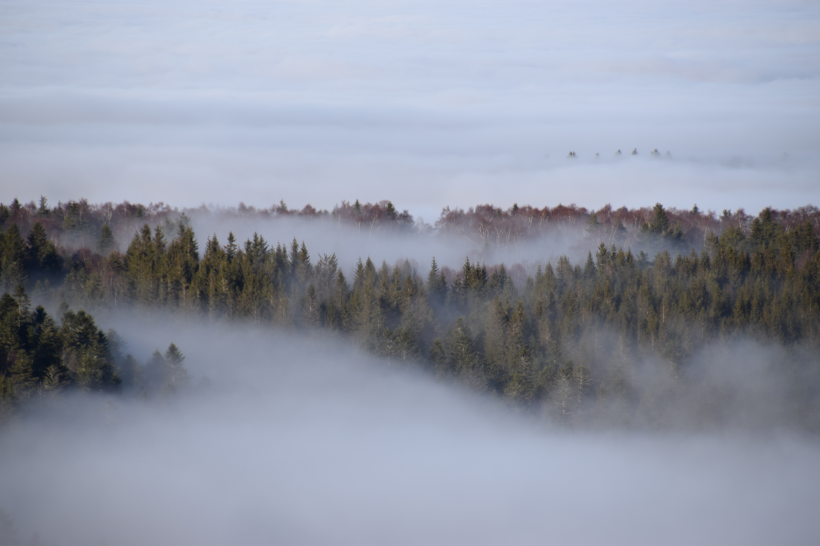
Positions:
(77, 224)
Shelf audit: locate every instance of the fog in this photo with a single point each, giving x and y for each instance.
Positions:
(424, 103)
(350, 243)
(286, 437)
(300, 440)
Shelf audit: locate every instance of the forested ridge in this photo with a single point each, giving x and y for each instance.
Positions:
(78, 224)
(567, 343)
(42, 359)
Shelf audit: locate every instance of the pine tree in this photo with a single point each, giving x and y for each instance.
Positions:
(44, 337)
(660, 223)
(460, 353)
(85, 353)
(310, 309)
(183, 264)
(41, 259)
(340, 301)
(589, 267)
(175, 374)
(43, 209)
(438, 357)
(105, 242)
(436, 284)
(94, 370)
(564, 395)
(231, 248)
(12, 262)
(56, 378)
(303, 268)
(593, 225)
(21, 374)
(142, 267)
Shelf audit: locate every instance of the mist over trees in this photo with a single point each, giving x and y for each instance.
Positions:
(625, 337)
(104, 227)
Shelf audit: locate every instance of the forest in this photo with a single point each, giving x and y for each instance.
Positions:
(563, 341)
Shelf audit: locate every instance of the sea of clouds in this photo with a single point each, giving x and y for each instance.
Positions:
(425, 103)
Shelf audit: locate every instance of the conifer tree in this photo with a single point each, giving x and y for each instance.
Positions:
(12, 262)
(593, 225)
(230, 248)
(460, 353)
(43, 209)
(438, 357)
(85, 353)
(42, 260)
(310, 310)
(564, 395)
(175, 374)
(105, 242)
(436, 284)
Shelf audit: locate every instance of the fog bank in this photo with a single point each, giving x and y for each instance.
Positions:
(350, 242)
(301, 441)
(419, 102)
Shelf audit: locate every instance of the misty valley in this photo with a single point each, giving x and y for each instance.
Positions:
(409, 272)
(132, 325)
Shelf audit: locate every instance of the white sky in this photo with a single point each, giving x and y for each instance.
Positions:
(425, 103)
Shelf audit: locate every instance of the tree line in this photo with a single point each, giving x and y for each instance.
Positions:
(77, 224)
(566, 340)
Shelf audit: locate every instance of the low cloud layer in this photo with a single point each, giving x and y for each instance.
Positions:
(427, 104)
(299, 441)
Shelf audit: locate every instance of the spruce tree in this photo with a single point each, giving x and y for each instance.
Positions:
(436, 284)
(310, 309)
(105, 242)
(12, 262)
(175, 374)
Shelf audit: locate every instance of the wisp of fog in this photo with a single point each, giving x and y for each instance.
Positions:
(296, 440)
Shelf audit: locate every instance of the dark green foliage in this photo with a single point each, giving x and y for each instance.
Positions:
(12, 259)
(38, 358)
(436, 284)
(43, 262)
(43, 209)
(86, 353)
(660, 230)
(105, 242)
